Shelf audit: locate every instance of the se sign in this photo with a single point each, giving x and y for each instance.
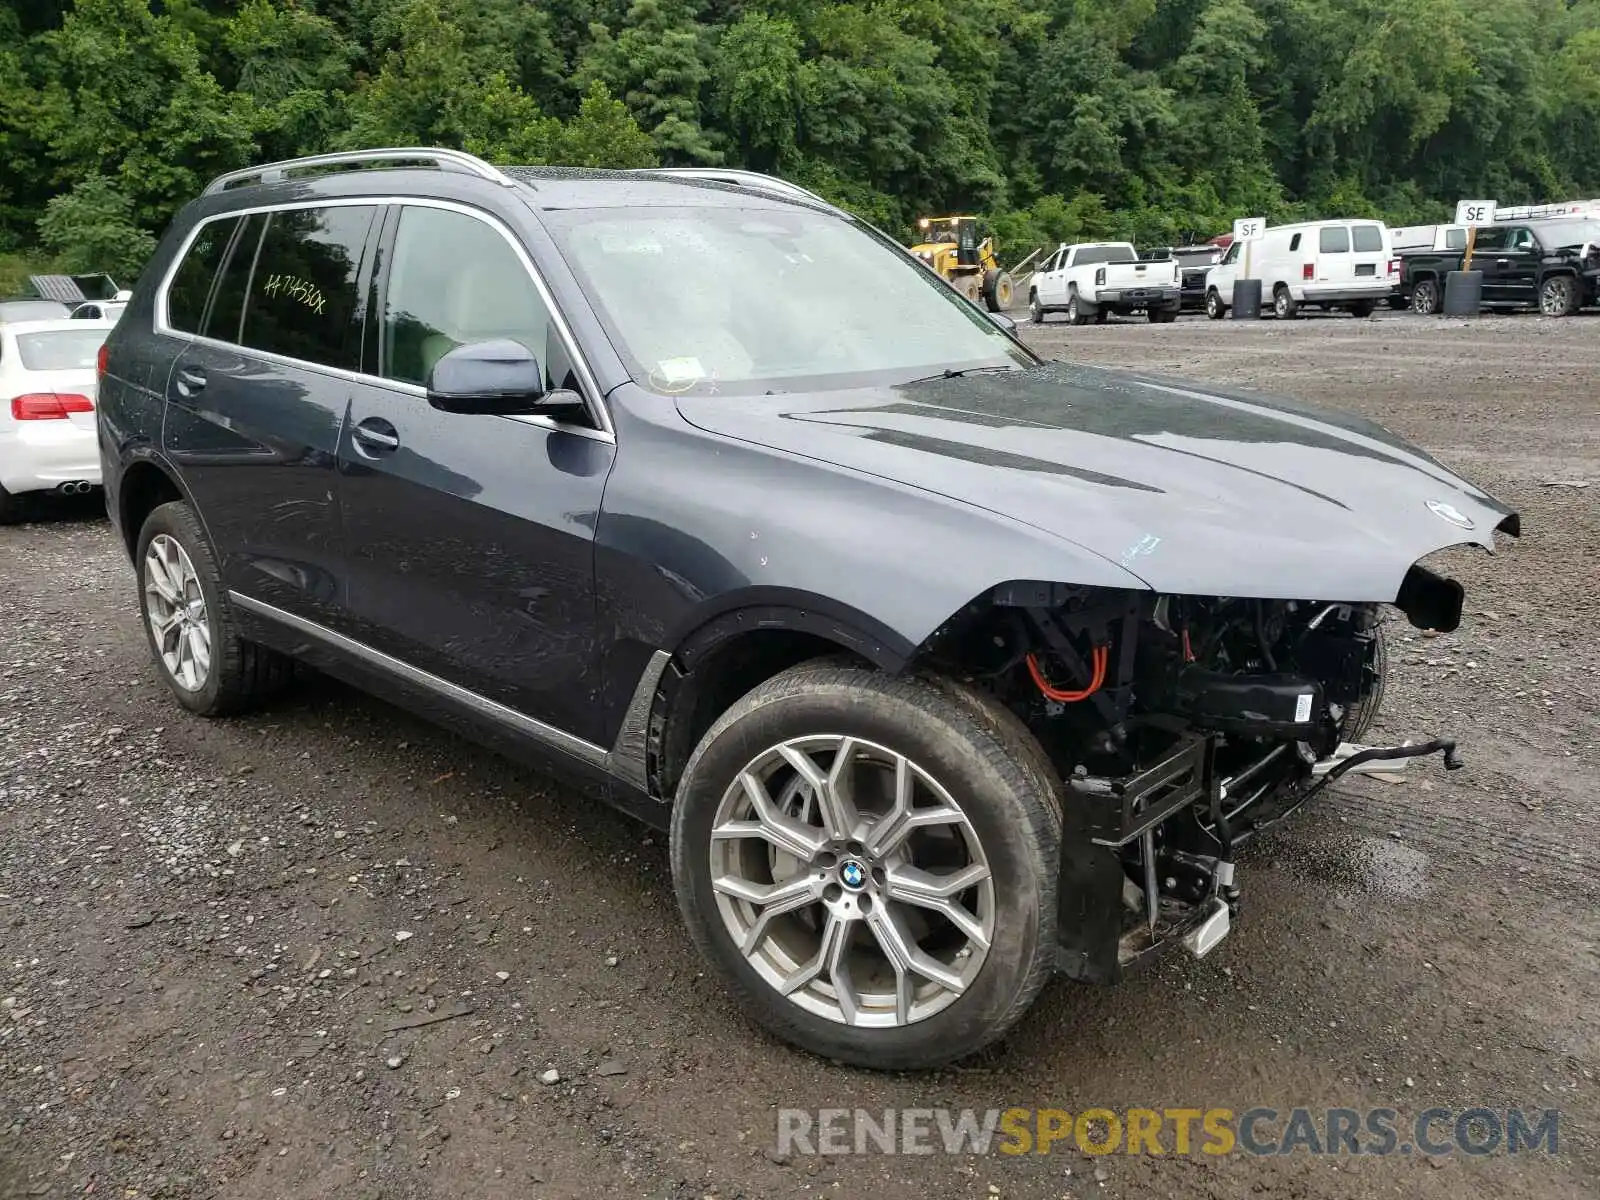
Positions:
(1475, 212)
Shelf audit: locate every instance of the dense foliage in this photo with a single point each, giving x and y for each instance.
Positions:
(1153, 119)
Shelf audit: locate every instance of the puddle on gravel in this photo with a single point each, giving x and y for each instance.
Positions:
(1379, 866)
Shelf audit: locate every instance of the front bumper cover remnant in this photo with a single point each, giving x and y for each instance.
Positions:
(1192, 886)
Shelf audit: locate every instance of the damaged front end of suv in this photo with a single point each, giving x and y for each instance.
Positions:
(1184, 726)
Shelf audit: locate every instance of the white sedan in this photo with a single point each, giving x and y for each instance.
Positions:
(48, 381)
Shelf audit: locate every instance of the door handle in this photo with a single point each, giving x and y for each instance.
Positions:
(376, 436)
(190, 380)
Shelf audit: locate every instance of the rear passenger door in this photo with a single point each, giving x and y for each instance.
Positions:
(471, 537)
(256, 401)
(1491, 254)
(1335, 266)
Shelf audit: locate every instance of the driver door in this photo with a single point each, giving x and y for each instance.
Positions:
(471, 537)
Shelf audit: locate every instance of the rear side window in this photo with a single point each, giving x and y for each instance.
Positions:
(454, 279)
(191, 284)
(1367, 239)
(1455, 239)
(304, 292)
(1490, 239)
(1333, 239)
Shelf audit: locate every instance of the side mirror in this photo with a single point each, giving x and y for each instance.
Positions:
(1005, 322)
(494, 378)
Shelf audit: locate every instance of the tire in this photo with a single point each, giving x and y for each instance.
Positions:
(1010, 805)
(997, 290)
(1426, 299)
(1035, 309)
(1101, 316)
(1162, 316)
(1363, 308)
(10, 508)
(1398, 303)
(1558, 296)
(1075, 313)
(1215, 308)
(1283, 304)
(237, 675)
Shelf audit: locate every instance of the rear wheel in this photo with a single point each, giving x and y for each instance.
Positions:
(1283, 304)
(1425, 298)
(189, 621)
(1215, 308)
(1162, 316)
(869, 863)
(1558, 296)
(10, 508)
(1075, 313)
(1363, 308)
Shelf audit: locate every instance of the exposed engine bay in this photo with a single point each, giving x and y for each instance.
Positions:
(1183, 727)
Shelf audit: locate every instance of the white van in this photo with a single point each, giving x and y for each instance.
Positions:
(1346, 264)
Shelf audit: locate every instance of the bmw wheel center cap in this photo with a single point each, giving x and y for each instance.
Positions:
(853, 875)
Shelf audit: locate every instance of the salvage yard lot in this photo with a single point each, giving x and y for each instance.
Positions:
(207, 992)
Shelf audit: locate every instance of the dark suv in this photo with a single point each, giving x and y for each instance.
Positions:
(947, 667)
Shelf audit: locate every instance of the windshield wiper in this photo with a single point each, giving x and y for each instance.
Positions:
(950, 373)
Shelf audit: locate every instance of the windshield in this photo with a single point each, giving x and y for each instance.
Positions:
(745, 301)
(1569, 233)
(60, 349)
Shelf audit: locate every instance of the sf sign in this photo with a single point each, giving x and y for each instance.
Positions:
(1249, 229)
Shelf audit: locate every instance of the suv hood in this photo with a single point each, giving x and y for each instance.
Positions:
(1191, 489)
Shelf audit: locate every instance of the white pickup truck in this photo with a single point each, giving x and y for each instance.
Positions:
(1094, 279)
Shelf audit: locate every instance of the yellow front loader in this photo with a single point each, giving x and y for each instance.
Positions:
(952, 248)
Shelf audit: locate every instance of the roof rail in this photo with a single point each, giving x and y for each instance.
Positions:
(443, 160)
(738, 178)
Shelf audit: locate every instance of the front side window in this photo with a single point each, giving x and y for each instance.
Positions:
(1367, 239)
(455, 279)
(736, 300)
(1232, 256)
(1333, 239)
(191, 283)
(303, 295)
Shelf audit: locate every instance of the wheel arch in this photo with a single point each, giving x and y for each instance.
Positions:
(726, 654)
(145, 484)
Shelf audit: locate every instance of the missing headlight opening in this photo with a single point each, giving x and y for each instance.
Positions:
(1184, 726)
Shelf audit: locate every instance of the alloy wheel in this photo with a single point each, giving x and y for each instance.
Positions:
(852, 882)
(175, 606)
(1553, 298)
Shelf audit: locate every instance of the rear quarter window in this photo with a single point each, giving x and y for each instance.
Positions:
(191, 283)
(1367, 239)
(1333, 239)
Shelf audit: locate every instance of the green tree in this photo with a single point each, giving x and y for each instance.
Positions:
(294, 66)
(126, 98)
(657, 64)
(91, 228)
(603, 134)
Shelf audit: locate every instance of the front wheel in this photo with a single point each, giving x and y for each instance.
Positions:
(1162, 316)
(869, 863)
(1035, 309)
(997, 290)
(1558, 296)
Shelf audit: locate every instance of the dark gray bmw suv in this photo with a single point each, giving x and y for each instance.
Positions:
(947, 667)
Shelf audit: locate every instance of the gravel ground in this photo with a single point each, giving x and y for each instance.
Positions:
(219, 942)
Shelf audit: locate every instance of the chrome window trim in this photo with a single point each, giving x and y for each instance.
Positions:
(592, 395)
